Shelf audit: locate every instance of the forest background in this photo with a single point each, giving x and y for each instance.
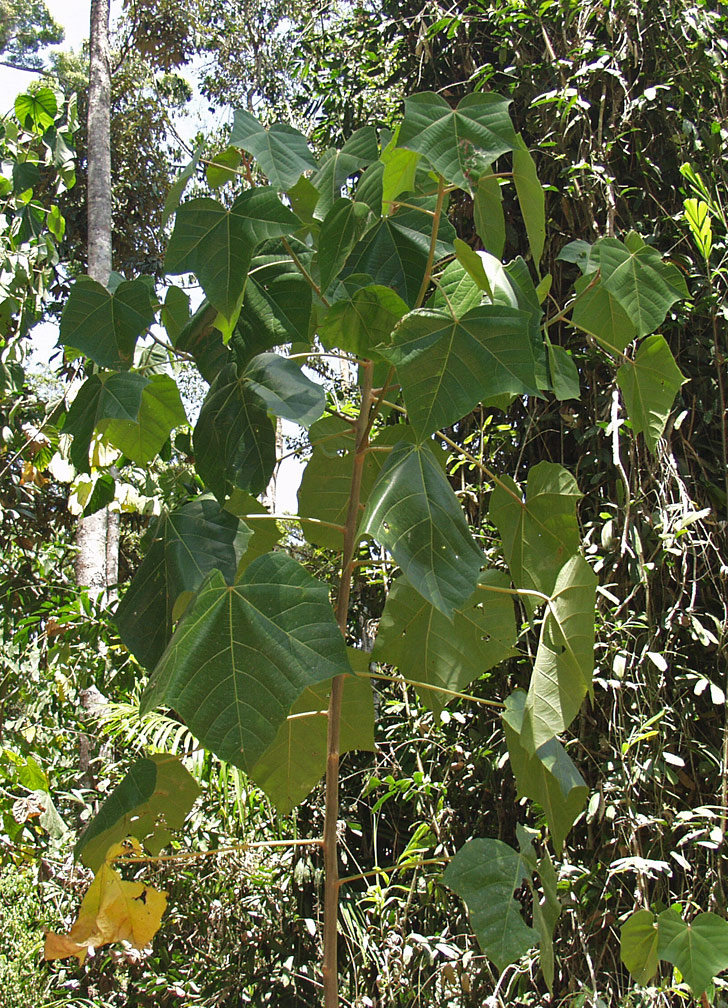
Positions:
(624, 107)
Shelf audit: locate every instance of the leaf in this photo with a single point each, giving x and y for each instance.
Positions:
(266, 533)
(304, 196)
(400, 168)
(276, 305)
(649, 385)
(413, 512)
(564, 667)
(281, 151)
(363, 321)
(539, 533)
(182, 547)
(154, 798)
(427, 647)
(699, 949)
(204, 342)
(547, 776)
(296, 761)
(105, 326)
(285, 390)
(546, 913)
(460, 144)
(36, 110)
(217, 244)
(223, 168)
(485, 874)
(112, 910)
(160, 411)
(456, 291)
(336, 166)
(488, 217)
(180, 184)
(530, 197)
(243, 654)
(175, 313)
(234, 439)
(343, 226)
(697, 214)
(564, 376)
(642, 283)
(601, 315)
(446, 366)
(638, 945)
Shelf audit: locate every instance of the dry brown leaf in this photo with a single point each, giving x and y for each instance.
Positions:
(112, 910)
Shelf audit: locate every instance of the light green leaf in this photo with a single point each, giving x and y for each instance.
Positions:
(547, 776)
(160, 411)
(304, 196)
(539, 533)
(600, 314)
(697, 214)
(530, 197)
(101, 399)
(447, 366)
(181, 548)
(400, 168)
(490, 223)
(638, 945)
(362, 322)
(564, 667)
(223, 168)
(485, 874)
(643, 285)
(281, 151)
(217, 244)
(564, 376)
(427, 647)
(472, 262)
(35, 110)
(343, 226)
(649, 385)
(459, 143)
(296, 760)
(413, 512)
(153, 799)
(284, 388)
(456, 291)
(106, 326)
(699, 949)
(243, 654)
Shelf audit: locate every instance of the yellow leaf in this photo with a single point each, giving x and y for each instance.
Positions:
(112, 910)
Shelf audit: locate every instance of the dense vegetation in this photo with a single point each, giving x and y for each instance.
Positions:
(623, 106)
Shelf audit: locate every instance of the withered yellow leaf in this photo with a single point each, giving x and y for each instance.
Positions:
(112, 910)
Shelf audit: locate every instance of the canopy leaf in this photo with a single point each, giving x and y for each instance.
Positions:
(106, 326)
(281, 151)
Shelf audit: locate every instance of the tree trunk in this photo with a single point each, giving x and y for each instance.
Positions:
(98, 535)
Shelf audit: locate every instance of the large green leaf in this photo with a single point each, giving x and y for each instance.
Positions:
(153, 798)
(400, 168)
(203, 340)
(182, 547)
(363, 321)
(456, 291)
(234, 439)
(564, 667)
(540, 533)
(413, 512)
(485, 874)
(284, 388)
(530, 197)
(243, 654)
(281, 151)
(564, 375)
(276, 305)
(160, 411)
(217, 244)
(547, 776)
(638, 946)
(343, 226)
(336, 166)
(394, 252)
(427, 647)
(699, 949)
(296, 761)
(488, 214)
(599, 313)
(644, 285)
(459, 143)
(105, 326)
(446, 366)
(649, 385)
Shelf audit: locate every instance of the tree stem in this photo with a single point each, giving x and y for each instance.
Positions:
(331, 813)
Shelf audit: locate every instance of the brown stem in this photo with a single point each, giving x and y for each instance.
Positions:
(331, 812)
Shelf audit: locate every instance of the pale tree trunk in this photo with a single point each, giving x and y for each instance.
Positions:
(98, 535)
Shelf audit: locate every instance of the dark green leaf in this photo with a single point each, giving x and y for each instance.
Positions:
(530, 197)
(413, 512)
(597, 312)
(281, 151)
(363, 321)
(638, 945)
(223, 168)
(564, 376)
(699, 949)
(336, 166)
(242, 655)
(175, 313)
(488, 216)
(204, 342)
(649, 385)
(285, 390)
(106, 326)
(485, 874)
(101, 399)
(642, 284)
(343, 226)
(153, 798)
